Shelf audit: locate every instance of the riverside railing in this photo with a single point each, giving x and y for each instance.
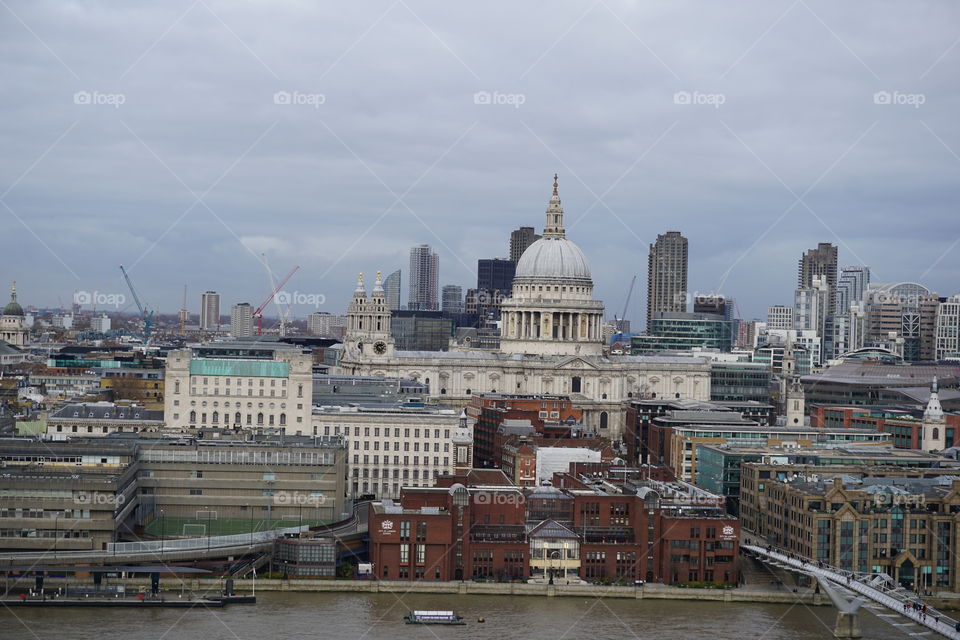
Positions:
(213, 542)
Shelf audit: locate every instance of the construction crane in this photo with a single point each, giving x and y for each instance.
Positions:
(618, 322)
(183, 315)
(146, 316)
(258, 313)
(282, 311)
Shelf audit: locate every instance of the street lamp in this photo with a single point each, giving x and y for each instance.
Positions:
(553, 554)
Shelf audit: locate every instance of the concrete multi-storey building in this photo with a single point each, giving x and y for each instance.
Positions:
(210, 311)
(394, 447)
(947, 337)
(83, 493)
(424, 279)
(100, 324)
(780, 317)
(241, 320)
(239, 385)
(520, 240)
(820, 263)
(326, 324)
(667, 275)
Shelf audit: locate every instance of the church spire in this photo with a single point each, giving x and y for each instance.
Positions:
(554, 226)
(360, 291)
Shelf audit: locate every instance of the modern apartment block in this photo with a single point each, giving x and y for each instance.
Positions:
(902, 317)
(667, 275)
(241, 320)
(851, 286)
(452, 300)
(210, 311)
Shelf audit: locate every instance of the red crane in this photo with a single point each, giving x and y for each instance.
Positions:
(258, 314)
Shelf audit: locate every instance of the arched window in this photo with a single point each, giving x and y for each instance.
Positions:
(443, 391)
(260, 418)
(299, 390)
(283, 419)
(603, 396)
(271, 419)
(936, 433)
(216, 417)
(468, 392)
(176, 387)
(236, 418)
(604, 419)
(193, 416)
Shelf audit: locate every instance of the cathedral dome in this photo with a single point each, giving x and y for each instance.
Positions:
(553, 257)
(13, 308)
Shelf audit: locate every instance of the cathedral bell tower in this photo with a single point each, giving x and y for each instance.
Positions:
(368, 322)
(934, 424)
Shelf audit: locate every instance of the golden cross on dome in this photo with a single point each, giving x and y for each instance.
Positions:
(555, 185)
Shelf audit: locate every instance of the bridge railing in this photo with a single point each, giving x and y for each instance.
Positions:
(213, 542)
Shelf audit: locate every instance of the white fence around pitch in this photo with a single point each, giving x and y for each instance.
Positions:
(214, 542)
(945, 625)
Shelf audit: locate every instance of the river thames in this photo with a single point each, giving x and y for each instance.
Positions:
(295, 616)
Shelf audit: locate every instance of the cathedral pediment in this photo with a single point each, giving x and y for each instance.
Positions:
(575, 362)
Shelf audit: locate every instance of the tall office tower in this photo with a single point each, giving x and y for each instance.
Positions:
(452, 299)
(210, 311)
(424, 276)
(241, 320)
(821, 262)
(851, 285)
(495, 274)
(667, 275)
(779, 316)
(811, 313)
(520, 239)
(391, 288)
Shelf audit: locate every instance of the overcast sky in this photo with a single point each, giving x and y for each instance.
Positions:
(184, 139)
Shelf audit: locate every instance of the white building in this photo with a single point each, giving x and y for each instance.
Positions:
(63, 321)
(552, 343)
(779, 317)
(259, 386)
(390, 447)
(948, 329)
(326, 324)
(241, 320)
(100, 324)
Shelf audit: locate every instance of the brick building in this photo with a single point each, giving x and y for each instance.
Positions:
(905, 427)
(492, 411)
(615, 528)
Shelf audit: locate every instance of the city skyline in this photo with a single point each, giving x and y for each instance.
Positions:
(694, 147)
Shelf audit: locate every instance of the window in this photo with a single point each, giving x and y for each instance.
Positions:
(575, 384)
